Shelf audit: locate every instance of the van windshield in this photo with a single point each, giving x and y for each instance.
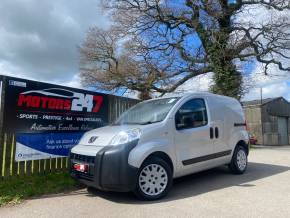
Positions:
(147, 112)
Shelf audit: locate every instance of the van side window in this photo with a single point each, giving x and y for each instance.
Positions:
(191, 114)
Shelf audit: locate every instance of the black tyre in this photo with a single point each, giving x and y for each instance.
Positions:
(239, 160)
(154, 179)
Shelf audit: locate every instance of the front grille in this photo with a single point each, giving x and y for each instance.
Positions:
(82, 158)
(84, 176)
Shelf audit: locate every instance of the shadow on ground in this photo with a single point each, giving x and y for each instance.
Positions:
(201, 183)
(192, 185)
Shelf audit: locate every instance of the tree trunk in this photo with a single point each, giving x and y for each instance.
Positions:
(227, 80)
(144, 95)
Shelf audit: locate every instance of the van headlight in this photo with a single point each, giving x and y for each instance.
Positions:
(127, 136)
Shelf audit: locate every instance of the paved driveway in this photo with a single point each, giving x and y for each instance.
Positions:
(264, 191)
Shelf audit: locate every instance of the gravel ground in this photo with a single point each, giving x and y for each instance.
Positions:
(263, 191)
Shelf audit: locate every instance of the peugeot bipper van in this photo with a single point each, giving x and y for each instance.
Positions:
(161, 139)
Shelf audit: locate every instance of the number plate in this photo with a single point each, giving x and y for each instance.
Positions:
(84, 168)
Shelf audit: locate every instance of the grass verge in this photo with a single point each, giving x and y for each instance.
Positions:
(15, 189)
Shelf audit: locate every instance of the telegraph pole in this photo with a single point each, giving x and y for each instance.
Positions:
(261, 102)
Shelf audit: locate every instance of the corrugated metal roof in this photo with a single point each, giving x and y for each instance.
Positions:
(258, 101)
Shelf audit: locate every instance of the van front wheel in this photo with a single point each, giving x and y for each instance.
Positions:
(154, 179)
(239, 161)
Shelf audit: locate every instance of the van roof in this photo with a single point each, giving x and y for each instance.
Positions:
(201, 94)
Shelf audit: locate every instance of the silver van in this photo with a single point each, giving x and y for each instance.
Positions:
(161, 139)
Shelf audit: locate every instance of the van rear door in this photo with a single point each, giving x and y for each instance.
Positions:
(220, 115)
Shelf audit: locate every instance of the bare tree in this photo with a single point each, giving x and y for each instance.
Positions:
(170, 42)
(109, 63)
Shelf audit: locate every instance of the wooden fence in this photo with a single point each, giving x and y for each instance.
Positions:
(9, 167)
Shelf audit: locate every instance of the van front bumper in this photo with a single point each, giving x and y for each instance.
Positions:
(108, 170)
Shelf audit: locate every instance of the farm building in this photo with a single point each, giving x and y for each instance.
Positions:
(269, 120)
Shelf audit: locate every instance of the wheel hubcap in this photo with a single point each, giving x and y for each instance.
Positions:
(153, 179)
(241, 160)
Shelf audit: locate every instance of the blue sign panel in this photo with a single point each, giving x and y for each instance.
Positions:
(37, 146)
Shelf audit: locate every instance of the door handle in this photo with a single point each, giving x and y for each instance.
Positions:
(211, 133)
(216, 132)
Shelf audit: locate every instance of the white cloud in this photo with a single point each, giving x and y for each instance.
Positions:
(269, 91)
(273, 85)
(200, 83)
(6, 68)
(131, 94)
(39, 39)
(75, 82)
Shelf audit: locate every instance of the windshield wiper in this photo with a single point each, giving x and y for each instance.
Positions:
(134, 123)
(125, 123)
(149, 122)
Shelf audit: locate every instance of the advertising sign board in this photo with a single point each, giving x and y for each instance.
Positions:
(49, 119)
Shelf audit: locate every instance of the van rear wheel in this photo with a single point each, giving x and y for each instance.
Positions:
(239, 160)
(154, 179)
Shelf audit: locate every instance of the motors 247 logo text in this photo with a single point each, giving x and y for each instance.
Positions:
(60, 99)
